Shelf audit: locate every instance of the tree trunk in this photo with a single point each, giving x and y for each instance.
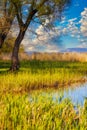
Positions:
(15, 60)
(2, 39)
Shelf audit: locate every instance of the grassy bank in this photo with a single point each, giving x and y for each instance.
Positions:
(45, 74)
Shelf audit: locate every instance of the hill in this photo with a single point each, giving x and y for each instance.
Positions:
(80, 50)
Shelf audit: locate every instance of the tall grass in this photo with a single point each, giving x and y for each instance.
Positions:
(67, 56)
(42, 113)
(20, 109)
(37, 74)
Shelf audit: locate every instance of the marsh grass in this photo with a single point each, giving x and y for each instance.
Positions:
(21, 109)
(46, 74)
(42, 113)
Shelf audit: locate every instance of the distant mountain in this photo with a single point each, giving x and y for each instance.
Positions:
(30, 52)
(80, 50)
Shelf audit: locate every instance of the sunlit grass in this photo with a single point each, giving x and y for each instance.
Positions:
(45, 74)
(19, 113)
(21, 109)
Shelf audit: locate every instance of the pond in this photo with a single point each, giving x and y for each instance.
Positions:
(76, 93)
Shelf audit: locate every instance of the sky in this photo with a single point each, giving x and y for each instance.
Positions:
(70, 32)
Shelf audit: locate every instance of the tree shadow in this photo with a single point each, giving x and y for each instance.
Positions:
(4, 67)
(36, 65)
(49, 64)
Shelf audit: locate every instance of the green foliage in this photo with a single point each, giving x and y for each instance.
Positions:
(8, 46)
(44, 9)
(7, 14)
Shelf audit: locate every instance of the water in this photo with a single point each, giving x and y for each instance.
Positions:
(77, 94)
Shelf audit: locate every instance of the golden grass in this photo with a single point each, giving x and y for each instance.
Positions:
(69, 56)
(21, 109)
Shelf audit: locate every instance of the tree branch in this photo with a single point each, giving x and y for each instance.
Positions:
(33, 12)
(20, 22)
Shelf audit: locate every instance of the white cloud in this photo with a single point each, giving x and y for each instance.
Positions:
(72, 20)
(31, 48)
(64, 31)
(72, 28)
(44, 41)
(83, 22)
(63, 19)
(72, 35)
(83, 45)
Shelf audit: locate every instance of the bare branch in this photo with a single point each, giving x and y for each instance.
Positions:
(17, 14)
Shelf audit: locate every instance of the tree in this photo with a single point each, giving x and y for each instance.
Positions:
(7, 15)
(39, 10)
(8, 46)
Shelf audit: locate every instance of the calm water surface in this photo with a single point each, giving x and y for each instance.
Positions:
(76, 93)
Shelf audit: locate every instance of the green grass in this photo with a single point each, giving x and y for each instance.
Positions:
(45, 74)
(21, 109)
(42, 113)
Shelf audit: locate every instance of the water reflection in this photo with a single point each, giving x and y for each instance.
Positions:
(77, 94)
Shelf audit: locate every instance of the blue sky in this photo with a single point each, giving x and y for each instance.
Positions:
(73, 13)
(70, 32)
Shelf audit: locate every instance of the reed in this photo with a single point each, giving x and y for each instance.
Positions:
(36, 75)
(21, 109)
(19, 112)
